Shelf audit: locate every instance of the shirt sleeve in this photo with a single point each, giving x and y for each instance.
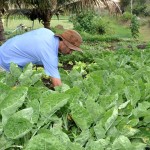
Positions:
(50, 62)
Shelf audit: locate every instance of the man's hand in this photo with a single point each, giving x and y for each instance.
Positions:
(56, 81)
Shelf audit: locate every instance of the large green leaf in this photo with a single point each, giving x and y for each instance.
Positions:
(1, 128)
(17, 127)
(45, 141)
(147, 118)
(113, 132)
(147, 93)
(34, 103)
(15, 96)
(88, 85)
(123, 105)
(133, 94)
(12, 102)
(127, 130)
(83, 137)
(62, 88)
(15, 70)
(111, 119)
(63, 137)
(4, 90)
(81, 116)
(99, 130)
(74, 94)
(96, 78)
(138, 145)
(24, 113)
(107, 101)
(50, 103)
(2, 76)
(36, 77)
(74, 74)
(33, 93)
(5, 143)
(19, 124)
(25, 77)
(117, 83)
(144, 135)
(10, 80)
(142, 109)
(74, 146)
(122, 143)
(100, 144)
(95, 110)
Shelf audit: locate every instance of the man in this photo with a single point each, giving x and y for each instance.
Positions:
(40, 47)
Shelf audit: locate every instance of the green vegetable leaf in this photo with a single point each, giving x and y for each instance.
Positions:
(99, 130)
(4, 90)
(133, 94)
(111, 119)
(81, 116)
(122, 143)
(5, 143)
(17, 127)
(83, 137)
(15, 70)
(50, 103)
(25, 77)
(45, 141)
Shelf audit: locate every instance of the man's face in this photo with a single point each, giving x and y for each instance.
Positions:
(64, 49)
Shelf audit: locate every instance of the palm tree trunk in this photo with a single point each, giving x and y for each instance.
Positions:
(2, 36)
(46, 24)
(47, 18)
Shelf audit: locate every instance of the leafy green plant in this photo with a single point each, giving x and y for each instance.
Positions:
(106, 109)
(126, 16)
(90, 22)
(134, 27)
(139, 9)
(83, 20)
(100, 26)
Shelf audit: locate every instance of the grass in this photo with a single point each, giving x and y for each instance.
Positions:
(145, 33)
(13, 23)
(121, 31)
(118, 30)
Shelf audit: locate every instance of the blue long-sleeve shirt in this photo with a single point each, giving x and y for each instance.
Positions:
(39, 47)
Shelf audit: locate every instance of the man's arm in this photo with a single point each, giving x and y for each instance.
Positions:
(56, 81)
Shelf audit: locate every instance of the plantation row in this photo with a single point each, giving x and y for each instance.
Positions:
(103, 104)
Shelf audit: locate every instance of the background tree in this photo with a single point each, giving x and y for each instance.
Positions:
(45, 9)
(137, 7)
(41, 10)
(3, 8)
(124, 4)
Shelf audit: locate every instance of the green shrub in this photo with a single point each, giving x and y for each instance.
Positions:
(126, 16)
(90, 22)
(83, 21)
(134, 27)
(100, 26)
(147, 11)
(139, 9)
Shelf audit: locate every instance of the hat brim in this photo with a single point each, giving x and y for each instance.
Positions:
(69, 44)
